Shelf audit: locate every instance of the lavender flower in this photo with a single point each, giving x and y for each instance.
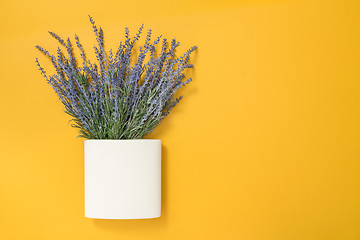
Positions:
(112, 99)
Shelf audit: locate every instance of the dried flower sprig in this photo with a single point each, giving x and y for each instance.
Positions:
(112, 99)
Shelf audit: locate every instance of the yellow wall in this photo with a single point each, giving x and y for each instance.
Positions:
(264, 146)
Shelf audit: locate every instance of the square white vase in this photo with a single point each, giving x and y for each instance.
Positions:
(122, 179)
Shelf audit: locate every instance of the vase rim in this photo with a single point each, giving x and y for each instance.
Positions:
(135, 140)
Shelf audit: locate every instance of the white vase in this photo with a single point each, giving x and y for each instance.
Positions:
(122, 179)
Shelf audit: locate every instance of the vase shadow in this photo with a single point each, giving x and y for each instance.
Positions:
(122, 225)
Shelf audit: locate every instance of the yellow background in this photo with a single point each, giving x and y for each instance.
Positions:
(264, 146)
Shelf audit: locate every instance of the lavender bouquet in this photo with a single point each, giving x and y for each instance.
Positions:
(112, 99)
